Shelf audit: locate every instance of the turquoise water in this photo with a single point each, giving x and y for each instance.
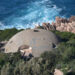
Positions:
(23, 14)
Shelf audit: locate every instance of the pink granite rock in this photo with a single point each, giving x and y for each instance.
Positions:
(61, 24)
(48, 26)
(72, 18)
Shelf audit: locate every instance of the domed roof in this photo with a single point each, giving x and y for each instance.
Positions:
(39, 39)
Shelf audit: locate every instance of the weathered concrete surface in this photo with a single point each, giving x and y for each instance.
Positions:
(39, 39)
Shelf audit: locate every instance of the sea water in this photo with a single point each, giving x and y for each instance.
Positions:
(23, 14)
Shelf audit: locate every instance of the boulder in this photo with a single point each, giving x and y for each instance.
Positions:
(72, 18)
(61, 24)
(48, 26)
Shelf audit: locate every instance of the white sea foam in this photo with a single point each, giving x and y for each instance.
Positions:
(37, 13)
(54, 6)
(1, 24)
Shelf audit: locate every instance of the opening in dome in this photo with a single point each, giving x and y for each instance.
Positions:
(26, 52)
(36, 30)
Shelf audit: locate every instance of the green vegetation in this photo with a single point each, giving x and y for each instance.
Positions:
(66, 51)
(65, 36)
(15, 65)
(62, 58)
(8, 33)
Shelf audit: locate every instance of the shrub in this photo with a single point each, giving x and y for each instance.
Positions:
(43, 65)
(65, 36)
(8, 33)
(67, 52)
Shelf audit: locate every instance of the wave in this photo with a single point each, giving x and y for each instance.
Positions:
(27, 13)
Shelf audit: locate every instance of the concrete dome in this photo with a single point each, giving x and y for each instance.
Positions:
(39, 39)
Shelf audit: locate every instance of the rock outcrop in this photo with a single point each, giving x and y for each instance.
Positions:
(61, 24)
(72, 18)
(65, 24)
(48, 26)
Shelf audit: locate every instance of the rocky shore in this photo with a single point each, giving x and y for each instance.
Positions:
(61, 24)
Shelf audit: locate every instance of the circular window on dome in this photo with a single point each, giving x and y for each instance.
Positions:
(36, 30)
